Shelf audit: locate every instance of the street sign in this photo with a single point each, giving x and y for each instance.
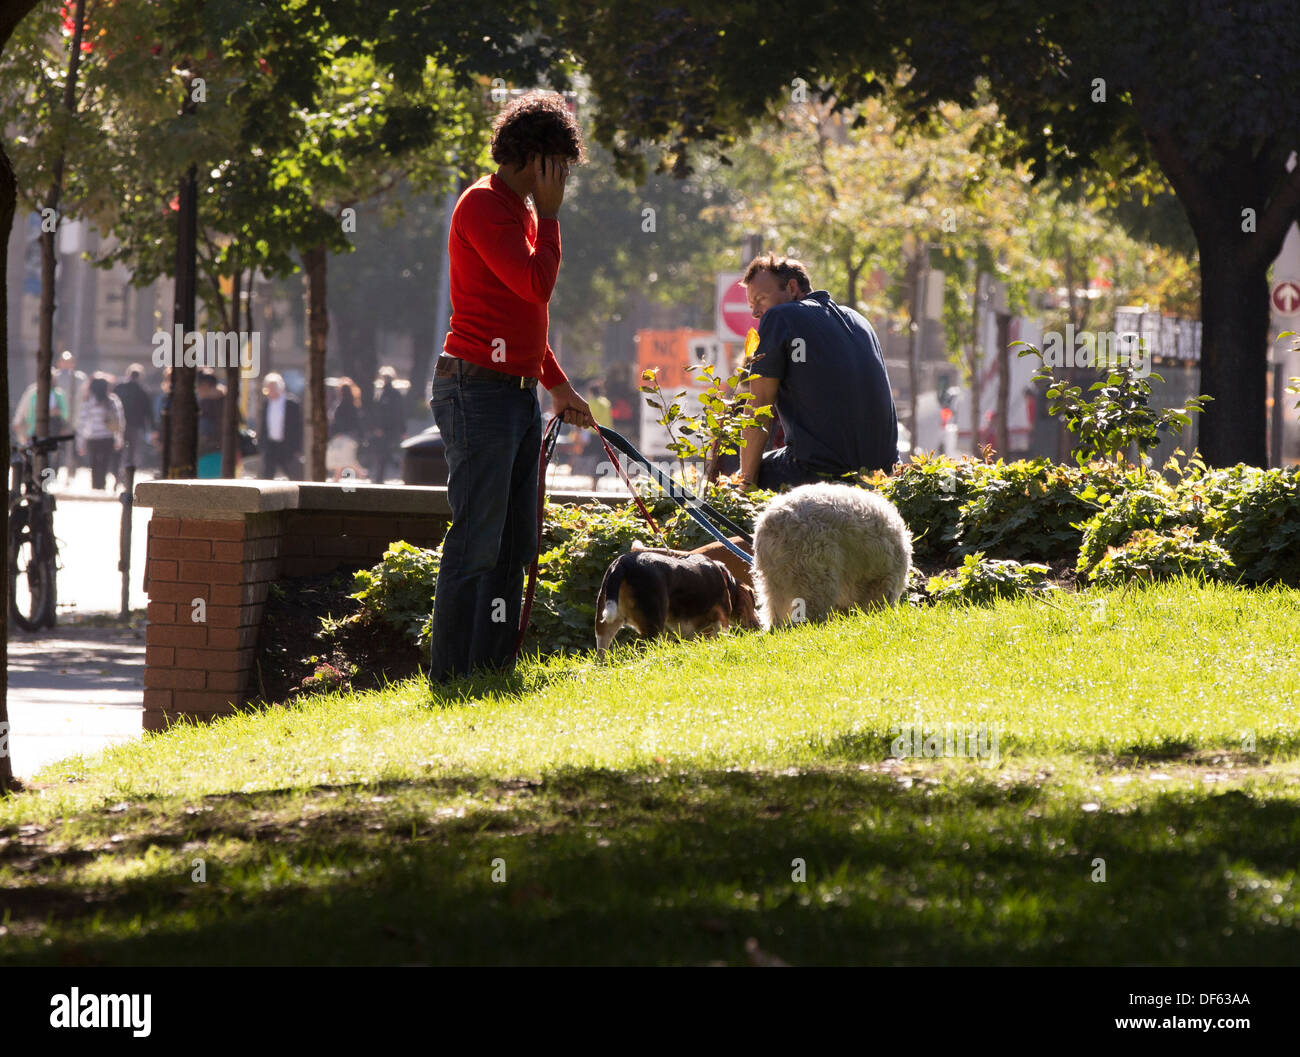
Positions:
(672, 351)
(1286, 298)
(703, 352)
(733, 315)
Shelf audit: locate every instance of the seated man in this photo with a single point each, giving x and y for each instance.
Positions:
(822, 366)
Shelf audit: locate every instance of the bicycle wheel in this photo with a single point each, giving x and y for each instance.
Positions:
(30, 586)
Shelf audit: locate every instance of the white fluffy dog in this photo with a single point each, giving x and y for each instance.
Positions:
(823, 547)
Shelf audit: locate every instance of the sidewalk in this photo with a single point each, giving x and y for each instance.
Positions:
(73, 690)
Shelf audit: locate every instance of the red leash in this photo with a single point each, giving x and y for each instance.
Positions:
(549, 436)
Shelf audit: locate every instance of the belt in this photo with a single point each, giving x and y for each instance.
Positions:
(449, 366)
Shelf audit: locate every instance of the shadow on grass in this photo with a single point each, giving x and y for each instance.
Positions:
(591, 866)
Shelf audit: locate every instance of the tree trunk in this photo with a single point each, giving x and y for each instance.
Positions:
(1234, 358)
(10, 16)
(183, 411)
(314, 262)
(976, 369)
(1234, 288)
(45, 330)
(8, 200)
(1003, 437)
(49, 248)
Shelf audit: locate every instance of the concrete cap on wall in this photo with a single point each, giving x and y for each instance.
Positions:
(232, 499)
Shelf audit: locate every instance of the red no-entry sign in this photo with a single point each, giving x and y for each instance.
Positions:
(734, 317)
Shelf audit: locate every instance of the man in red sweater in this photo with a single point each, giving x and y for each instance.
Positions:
(504, 262)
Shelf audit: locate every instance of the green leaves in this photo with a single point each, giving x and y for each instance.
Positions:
(1120, 419)
(982, 581)
(1147, 556)
(726, 413)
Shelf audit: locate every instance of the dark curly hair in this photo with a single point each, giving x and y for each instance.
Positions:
(784, 268)
(536, 123)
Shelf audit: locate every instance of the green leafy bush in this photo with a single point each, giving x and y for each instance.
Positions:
(399, 590)
(1121, 417)
(1255, 515)
(981, 581)
(1148, 504)
(1028, 510)
(929, 492)
(1034, 510)
(1148, 556)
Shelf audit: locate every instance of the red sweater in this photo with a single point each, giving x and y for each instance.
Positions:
(503, 267)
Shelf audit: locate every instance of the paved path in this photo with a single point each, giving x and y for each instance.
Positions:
(73, 690)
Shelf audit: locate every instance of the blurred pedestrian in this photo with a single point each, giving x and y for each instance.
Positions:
(137, 406)
(345, 432)
(601, 409)
(281, 433)
(388, 425)
(73, 383)
(161, 405)
(212, 401)
(24, 420)
(100, 428)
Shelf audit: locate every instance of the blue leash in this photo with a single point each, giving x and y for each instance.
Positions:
(698, 509)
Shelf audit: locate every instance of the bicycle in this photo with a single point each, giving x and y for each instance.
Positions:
(33, 550)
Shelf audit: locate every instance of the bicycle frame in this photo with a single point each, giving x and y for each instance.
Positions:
(31, 528)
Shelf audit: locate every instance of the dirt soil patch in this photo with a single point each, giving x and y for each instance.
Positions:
(314, 638)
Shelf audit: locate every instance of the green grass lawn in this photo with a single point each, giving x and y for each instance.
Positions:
(674, 801)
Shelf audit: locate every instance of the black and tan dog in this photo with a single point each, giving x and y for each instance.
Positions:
(653, 590)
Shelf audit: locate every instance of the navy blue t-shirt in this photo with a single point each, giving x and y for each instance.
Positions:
(834, 402)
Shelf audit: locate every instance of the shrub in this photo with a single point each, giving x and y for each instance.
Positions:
(1024, 510)
(1033, 510)
(1148, 556)
(929, 492)
(399, 590)
(1255, 515)
(1120, 418)
(981, 581)
(1149, 504)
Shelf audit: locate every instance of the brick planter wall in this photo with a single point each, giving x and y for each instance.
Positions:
(215, 547)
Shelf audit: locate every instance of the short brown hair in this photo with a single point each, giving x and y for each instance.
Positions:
(536, 123)
(784, 268)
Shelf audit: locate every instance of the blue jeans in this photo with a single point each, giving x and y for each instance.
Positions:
(780, 468)
(493, 437)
